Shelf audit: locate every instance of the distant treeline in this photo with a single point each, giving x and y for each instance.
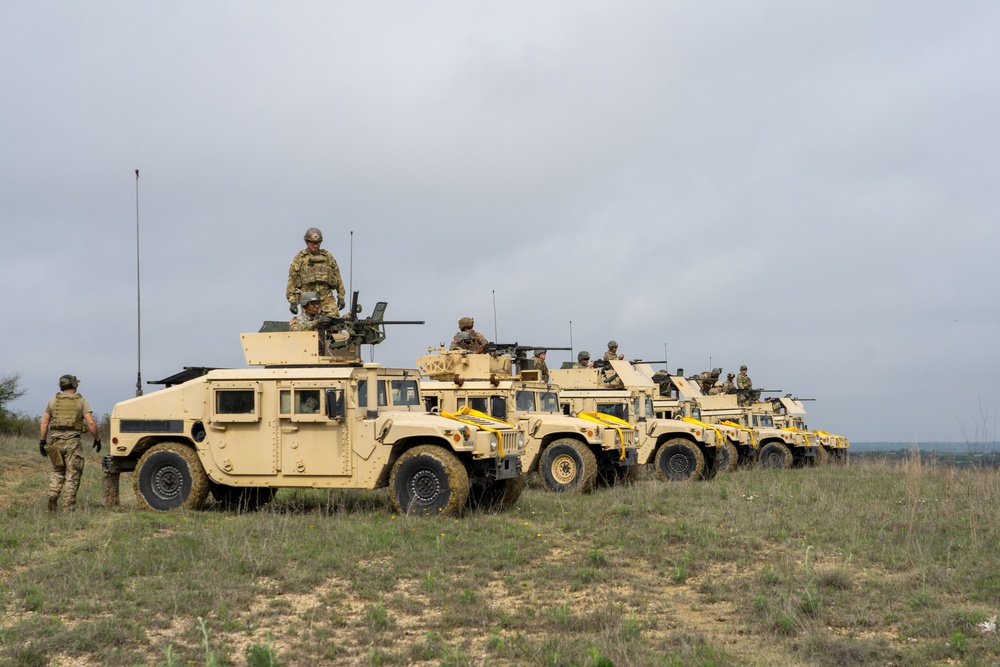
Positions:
(958, 459)
(966, 447)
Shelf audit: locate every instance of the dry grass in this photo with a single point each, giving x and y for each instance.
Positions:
(870, 564)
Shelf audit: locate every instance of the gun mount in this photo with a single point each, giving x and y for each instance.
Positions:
(335, 341)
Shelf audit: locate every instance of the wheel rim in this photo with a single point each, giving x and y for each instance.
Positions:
(425, 486)
(678, 464)
(167, 482)
(564, 469)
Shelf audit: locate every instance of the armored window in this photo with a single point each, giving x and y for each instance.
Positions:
(525, 401)
(363, 393)
(431, 403)
(764, 421)
(234, 402)
(619, 410)
(405, 392)
(549, 401)
(695, 412)
(480, 403)
(307, 402)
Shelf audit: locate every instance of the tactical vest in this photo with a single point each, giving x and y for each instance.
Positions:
(319, 269)
(67, 414)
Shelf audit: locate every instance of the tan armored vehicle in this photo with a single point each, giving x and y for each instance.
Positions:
(789, 413)
(678, 449)
(569, 453)
(310, 415)
(777, 447)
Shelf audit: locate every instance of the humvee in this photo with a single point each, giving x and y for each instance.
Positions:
(310, 414)
(777, 447)
(679, 449)
(569, 453)
(789, 413)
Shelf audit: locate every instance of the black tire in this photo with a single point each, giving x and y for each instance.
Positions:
(236, 499)
(775, 455)
(678, 459)
(429, 481)
(170, 476)
(499, 496)
(726, 458)
(617, 475)
(822, 457)
(569, 466)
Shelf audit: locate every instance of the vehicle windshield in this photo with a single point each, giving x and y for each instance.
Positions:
(548, 401)
(405, 392)
(480, 403)
(694, 412)
(524, 401)
(619, 410)
(763, 421)
(649, 406)
(363, 393)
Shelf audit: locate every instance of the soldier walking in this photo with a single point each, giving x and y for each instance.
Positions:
(67, 416)
(315, 270)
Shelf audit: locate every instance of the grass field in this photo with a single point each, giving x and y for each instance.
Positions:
(870, 564)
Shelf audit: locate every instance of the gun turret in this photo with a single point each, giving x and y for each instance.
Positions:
(359, 331)
(518, 353)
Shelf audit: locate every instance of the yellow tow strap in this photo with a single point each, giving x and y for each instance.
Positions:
(718, 433)
(608, 420)
(481, 420)
(753, 439)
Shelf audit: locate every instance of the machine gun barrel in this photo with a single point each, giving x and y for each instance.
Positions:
(644, 361)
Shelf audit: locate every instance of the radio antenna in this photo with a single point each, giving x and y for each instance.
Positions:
(496, 336)
(138, 298)
(350, 266)
(571, 339)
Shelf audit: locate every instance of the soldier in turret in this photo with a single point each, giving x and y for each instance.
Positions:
(612, 352)
(310, 318)
(583, 360)
(315, 270)
(707, 379)
(728, 387)
(541, 366)
(745, 395)
(468, 338)
(67, 416)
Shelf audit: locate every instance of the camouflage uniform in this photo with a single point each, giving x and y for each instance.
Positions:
(728, 387)
(316, 273)
(744, 389)
(304, 322)
(476, 342)
(64, 447)
(610, 355)
(542, 368)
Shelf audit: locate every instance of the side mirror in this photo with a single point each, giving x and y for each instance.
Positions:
(335, 404)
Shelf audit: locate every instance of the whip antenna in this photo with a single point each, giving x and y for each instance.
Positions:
(350, 266)
(571, 339)
(138, 297)
(495, 336)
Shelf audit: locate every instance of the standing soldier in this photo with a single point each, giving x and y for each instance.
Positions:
(66, 417)
(612, 352)
(541, 366)
(744, 387)
(467, 338)
(315, 270)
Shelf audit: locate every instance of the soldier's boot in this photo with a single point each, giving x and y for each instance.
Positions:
(53, 503)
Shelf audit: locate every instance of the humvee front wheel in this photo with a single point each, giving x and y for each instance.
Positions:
(428, 480)
(568, 465)
(677, 460)
(170, 476)
(726, 458)
(775, 455)
(498, 496)
(822, 456)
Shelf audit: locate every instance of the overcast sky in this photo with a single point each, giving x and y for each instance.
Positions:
(808, 188)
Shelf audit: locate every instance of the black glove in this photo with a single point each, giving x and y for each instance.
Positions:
(41, 448)
(324, 321)
(294, 308)
(97, 446)
(341, 303)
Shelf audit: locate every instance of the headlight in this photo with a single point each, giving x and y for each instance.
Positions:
(493, 442)
(520, 438)
(465, 432)
(618, 439)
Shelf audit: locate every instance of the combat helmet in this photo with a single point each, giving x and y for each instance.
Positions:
(69, 381)
(743, 368)
(464, 322)
(539, 352)
(313, 235)
(612, 344)
(583, 355)
(716, 372)
(308, 297)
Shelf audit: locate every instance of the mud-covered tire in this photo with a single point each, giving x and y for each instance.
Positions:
(170, 476)
(775, 455)
(727, 458)
(237, 499)
(678, 459)
(569, 466)
(429, 481)
(498, 496)
(822, 457)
